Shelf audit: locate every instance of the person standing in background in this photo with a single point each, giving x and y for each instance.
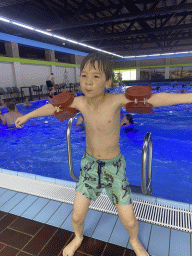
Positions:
(50, 81)
(52, 93)
(66, 77)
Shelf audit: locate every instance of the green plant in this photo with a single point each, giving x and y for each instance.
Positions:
(115, 78)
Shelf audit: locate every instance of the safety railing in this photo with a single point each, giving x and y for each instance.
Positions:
(69, 151)
(145, 185)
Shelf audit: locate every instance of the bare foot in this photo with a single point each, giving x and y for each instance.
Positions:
(70, 249)
(138, 248)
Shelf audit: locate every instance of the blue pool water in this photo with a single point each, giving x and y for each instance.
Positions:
(40, 147)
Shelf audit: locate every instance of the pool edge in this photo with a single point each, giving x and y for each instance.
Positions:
(162, 201)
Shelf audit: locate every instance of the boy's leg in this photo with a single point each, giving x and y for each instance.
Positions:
(120, 195)
(80, 209)
(129, 221)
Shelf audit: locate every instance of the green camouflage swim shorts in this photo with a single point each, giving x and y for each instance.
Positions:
(110, 174)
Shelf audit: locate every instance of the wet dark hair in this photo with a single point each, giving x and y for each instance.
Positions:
(130, 118)
(104, 63)
(11, 106)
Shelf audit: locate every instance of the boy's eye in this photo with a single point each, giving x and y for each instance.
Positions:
(96, 76)
(83, 75)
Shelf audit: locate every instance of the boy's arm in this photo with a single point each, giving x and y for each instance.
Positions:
(46, 110)
(167, 99)
(159, 99)
(49, 109)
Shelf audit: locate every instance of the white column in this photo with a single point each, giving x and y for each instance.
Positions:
(12, 49)
(137, 69)
(50, 55)
(17, 74)
(77, 74)
(167, 62)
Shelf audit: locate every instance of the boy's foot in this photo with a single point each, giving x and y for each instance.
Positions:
(138, 248)
(70, 249)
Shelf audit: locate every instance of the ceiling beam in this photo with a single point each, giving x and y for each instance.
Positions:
(80, 9)
(131, 7)
(146, 41)
(140, 32)
(166, 17)
(5, 3)
(98, 6)
(154, 5)
(151, 50)
(125, 17)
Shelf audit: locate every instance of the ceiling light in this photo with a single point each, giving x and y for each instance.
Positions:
(3, 19)
(127, 57)
(170, 53)
(43, 32)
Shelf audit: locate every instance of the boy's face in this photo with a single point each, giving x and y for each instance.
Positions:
(93, 81)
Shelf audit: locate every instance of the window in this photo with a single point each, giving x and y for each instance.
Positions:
(129, 74)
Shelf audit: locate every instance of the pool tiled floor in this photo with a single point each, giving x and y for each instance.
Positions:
(32, 225)
(20, 236)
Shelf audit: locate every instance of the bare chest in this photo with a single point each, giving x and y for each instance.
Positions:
(98, 121)
(104, 119)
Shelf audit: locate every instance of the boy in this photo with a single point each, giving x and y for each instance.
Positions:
(102, 164)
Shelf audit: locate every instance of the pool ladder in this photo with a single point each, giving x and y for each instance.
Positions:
(147, 143)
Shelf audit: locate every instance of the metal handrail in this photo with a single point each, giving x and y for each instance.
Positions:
(69, 151)
(146, 185)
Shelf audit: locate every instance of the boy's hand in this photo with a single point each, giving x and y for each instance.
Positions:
(20, 121)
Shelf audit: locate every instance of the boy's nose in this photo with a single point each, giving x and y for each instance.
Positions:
(88, 80)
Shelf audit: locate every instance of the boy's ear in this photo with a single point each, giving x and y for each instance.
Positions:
(108, 83)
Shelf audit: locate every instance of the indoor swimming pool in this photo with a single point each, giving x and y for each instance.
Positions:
(40, 147)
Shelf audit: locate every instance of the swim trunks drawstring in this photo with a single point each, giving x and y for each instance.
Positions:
(100, 164)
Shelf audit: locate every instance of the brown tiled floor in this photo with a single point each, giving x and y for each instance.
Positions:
(23, 237)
